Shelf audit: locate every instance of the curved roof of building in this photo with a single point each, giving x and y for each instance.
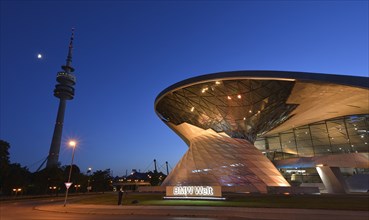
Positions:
(357, 81)
(247, 104)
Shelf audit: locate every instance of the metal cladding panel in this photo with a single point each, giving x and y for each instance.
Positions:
(217, 160)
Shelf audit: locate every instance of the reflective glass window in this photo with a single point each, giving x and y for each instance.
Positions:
(304, 142)
(320, 139)
(338, 136)
(357, 128)
(289, 145)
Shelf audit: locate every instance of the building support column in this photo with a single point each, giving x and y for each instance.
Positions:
(333, 179)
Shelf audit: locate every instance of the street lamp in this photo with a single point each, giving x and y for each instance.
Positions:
(72, 144)
(77, 186)
(16, 190)
(89, 177)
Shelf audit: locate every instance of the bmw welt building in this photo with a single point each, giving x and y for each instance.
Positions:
(259, 130)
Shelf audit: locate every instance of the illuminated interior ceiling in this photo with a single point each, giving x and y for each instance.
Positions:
(240, 108)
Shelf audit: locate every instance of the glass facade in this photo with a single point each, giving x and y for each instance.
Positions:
(349, 134)
(241, 108)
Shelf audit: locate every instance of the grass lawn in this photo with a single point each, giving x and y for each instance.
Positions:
(336, 202)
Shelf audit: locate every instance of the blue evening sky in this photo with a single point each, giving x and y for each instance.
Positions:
(127, 52)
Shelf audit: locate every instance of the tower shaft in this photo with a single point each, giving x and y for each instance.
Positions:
(53, 157)
(64, 90)
(155, 166)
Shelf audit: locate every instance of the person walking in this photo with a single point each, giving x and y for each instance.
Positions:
(120, 196)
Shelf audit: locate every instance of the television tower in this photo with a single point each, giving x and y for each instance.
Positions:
(64, 91)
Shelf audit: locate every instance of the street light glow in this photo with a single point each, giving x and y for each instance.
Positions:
(72, 143)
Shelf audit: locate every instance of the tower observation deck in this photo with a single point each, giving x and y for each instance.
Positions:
(64, 90)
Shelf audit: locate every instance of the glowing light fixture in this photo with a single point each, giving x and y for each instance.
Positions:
(229, 98)
(239, 96)
(72, 143)
(193, 108)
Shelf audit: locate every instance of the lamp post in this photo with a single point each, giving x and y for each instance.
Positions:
(89, 178)
(72, 144)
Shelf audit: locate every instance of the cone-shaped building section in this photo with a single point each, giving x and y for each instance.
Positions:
(215, 159)
(64, 90)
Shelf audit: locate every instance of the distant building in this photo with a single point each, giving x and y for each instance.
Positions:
(256, 128)
(136, 179)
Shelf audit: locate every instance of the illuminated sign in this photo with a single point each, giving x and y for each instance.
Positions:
(194, 191)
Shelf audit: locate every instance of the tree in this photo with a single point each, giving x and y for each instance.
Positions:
(101, 181)
(4, 162)
(46, 178)
(156, 178)
(4, 153)
(18, 177)
(75, 175)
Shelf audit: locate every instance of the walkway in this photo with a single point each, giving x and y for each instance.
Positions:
(209, 212)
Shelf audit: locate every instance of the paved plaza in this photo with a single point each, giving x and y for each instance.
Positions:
(208, 212)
